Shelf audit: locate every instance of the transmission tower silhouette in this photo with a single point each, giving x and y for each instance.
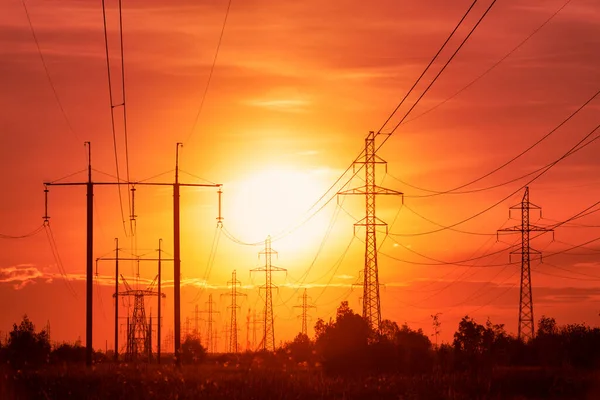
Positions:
(233, 335)
(268, 341)
(526, 319)
(210, 334)
(139, 331)
(305, 306)
(371, 299)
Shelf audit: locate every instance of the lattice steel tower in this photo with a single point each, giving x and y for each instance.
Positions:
(233, 335)
(526, 320)
(210, 334)
(268, 342)
(139, 331)
(305, 306)
(371, 300)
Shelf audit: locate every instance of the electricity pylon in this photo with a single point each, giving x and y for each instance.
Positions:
(210, 333)
(268, 341)
(233, 336)
(305, 306)
(526, 320)
(371, 299)
(139, 332)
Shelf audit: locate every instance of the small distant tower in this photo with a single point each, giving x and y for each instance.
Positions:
(268, 342)
(210, 332)
(233, 334)
(304, 316)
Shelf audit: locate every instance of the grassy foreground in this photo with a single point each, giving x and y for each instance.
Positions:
(234, 381)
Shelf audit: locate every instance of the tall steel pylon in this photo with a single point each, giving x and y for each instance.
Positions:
(305, 306)
(526, 320)
(210, 334)
(233, 335)
(268, 342)
(371, 299)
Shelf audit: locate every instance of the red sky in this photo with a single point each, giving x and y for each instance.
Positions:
(295, 89)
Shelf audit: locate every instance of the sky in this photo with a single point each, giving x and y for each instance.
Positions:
(295, 89)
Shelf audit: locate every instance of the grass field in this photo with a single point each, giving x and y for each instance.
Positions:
(255, 380)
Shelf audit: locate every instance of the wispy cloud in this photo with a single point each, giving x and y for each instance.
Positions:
(282, 105)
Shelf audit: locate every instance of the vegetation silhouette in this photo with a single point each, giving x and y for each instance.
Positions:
(346, 359)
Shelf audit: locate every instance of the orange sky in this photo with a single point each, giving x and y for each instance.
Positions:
(296, 88)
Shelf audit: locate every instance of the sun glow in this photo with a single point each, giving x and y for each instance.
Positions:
(273, 201)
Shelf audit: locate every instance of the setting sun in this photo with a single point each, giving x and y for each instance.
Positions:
(272, 201)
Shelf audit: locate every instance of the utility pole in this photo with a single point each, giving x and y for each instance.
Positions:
(305, 306)
(371, 299)
(210, 333)
(160, 295)
(233, 337)
(176, 243)
(269, 325)
(526, 319)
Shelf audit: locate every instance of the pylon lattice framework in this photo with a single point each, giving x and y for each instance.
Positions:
(305, 306)
(210, 334)
(268, 342)
(233, 334)
(371, 299)
(139, 331)
(526, 330)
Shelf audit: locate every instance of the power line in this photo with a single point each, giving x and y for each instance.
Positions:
(547, 135)
(212, 68)
(468, 85)
(112, 114)
(439, 73)
(428, 65)
(546, 169)
(50, 81)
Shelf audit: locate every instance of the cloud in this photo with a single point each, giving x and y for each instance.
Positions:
(20, 275)
(282, 105)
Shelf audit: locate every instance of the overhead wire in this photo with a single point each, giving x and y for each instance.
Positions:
(511, 160)
(212, 69)
(58, 260)
(537, 176)
(47, 71)
(493, 66)
(23, 236)
(112, 115)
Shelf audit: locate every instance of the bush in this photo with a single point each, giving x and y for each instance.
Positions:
(192, 351)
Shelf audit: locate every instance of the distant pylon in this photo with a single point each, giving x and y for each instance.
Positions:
(526, 320)
(371, 299)
(196, 325)
(210, 332)
(248, 331)
(268, 342)
(305, 306)
(233, 335)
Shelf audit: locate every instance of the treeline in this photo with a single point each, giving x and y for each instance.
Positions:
(347, 345)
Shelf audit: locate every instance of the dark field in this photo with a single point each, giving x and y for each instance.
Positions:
(256, 381)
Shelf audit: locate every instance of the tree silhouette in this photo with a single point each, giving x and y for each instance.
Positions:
(26, 348)
(192, 351)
